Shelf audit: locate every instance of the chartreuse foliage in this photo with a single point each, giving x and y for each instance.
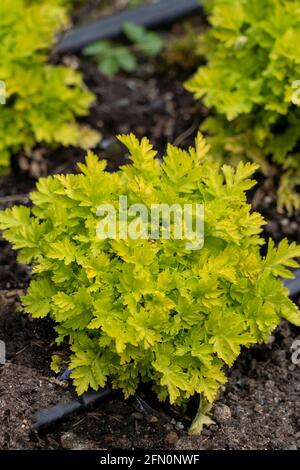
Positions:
(253, 62)
(151, 310)
(42, 99)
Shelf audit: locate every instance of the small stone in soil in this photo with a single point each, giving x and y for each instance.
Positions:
(179, 426)
(222, 413)
(258, 408)
(292, 447)
(152, 419)
(70, 441)
(171, 438)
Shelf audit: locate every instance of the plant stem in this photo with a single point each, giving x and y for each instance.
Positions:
(201, 419)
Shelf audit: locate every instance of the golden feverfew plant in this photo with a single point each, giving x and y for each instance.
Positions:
(149, 310)
(42, 100)
(250, 80)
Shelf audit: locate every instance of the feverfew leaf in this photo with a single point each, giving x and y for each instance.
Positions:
(280, 258)
(38, 299)
(228, 335)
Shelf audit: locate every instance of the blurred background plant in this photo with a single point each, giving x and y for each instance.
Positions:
(42, 100)
(253, 59)
(113, 56)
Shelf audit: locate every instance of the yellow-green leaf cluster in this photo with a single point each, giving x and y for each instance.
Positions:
(42, 100)
(252, 82)
(150, 310)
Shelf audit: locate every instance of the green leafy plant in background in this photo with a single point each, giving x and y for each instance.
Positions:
(113, 57)
(42, 100)
(253, 62)
(150, 310)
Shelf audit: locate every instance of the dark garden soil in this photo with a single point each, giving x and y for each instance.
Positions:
(259, 408)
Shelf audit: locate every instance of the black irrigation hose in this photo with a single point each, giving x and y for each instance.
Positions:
(152, 16)
(50, 416)
(53, 415)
